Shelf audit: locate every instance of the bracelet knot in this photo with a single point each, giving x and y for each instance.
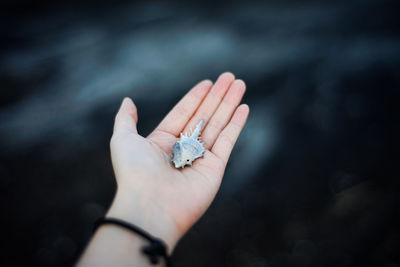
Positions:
(154, 250)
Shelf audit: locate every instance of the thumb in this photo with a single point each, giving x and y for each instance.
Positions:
(126, 118)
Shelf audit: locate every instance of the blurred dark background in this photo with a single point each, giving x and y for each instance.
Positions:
(314, 179)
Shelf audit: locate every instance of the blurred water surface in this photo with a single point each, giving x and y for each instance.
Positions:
(313, 180)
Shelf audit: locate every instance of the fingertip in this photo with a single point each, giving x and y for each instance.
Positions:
(202, 88)
(129, 107)
(227, 76)
(126, 103)
(241, 114)
(222, 84)
(129, 102)
(239, 88)
(126, 98)
(206, 82)
(240, 83)
(244, 108)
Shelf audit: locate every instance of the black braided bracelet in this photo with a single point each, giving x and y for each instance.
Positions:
(154, 250)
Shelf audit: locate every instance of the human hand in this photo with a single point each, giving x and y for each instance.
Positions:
(152, 193)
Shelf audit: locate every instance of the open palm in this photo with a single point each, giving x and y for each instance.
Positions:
(164, 200)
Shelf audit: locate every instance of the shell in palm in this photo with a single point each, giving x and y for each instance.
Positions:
(188, 148)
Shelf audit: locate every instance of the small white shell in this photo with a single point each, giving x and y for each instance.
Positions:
(188, 148)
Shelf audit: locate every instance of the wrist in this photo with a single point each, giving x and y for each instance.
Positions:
(146, 215)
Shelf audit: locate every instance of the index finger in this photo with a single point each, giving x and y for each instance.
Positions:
(177, 118)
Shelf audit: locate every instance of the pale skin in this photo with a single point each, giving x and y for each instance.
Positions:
(152, 194)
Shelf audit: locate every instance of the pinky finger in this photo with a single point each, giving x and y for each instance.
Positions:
(227, 138)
